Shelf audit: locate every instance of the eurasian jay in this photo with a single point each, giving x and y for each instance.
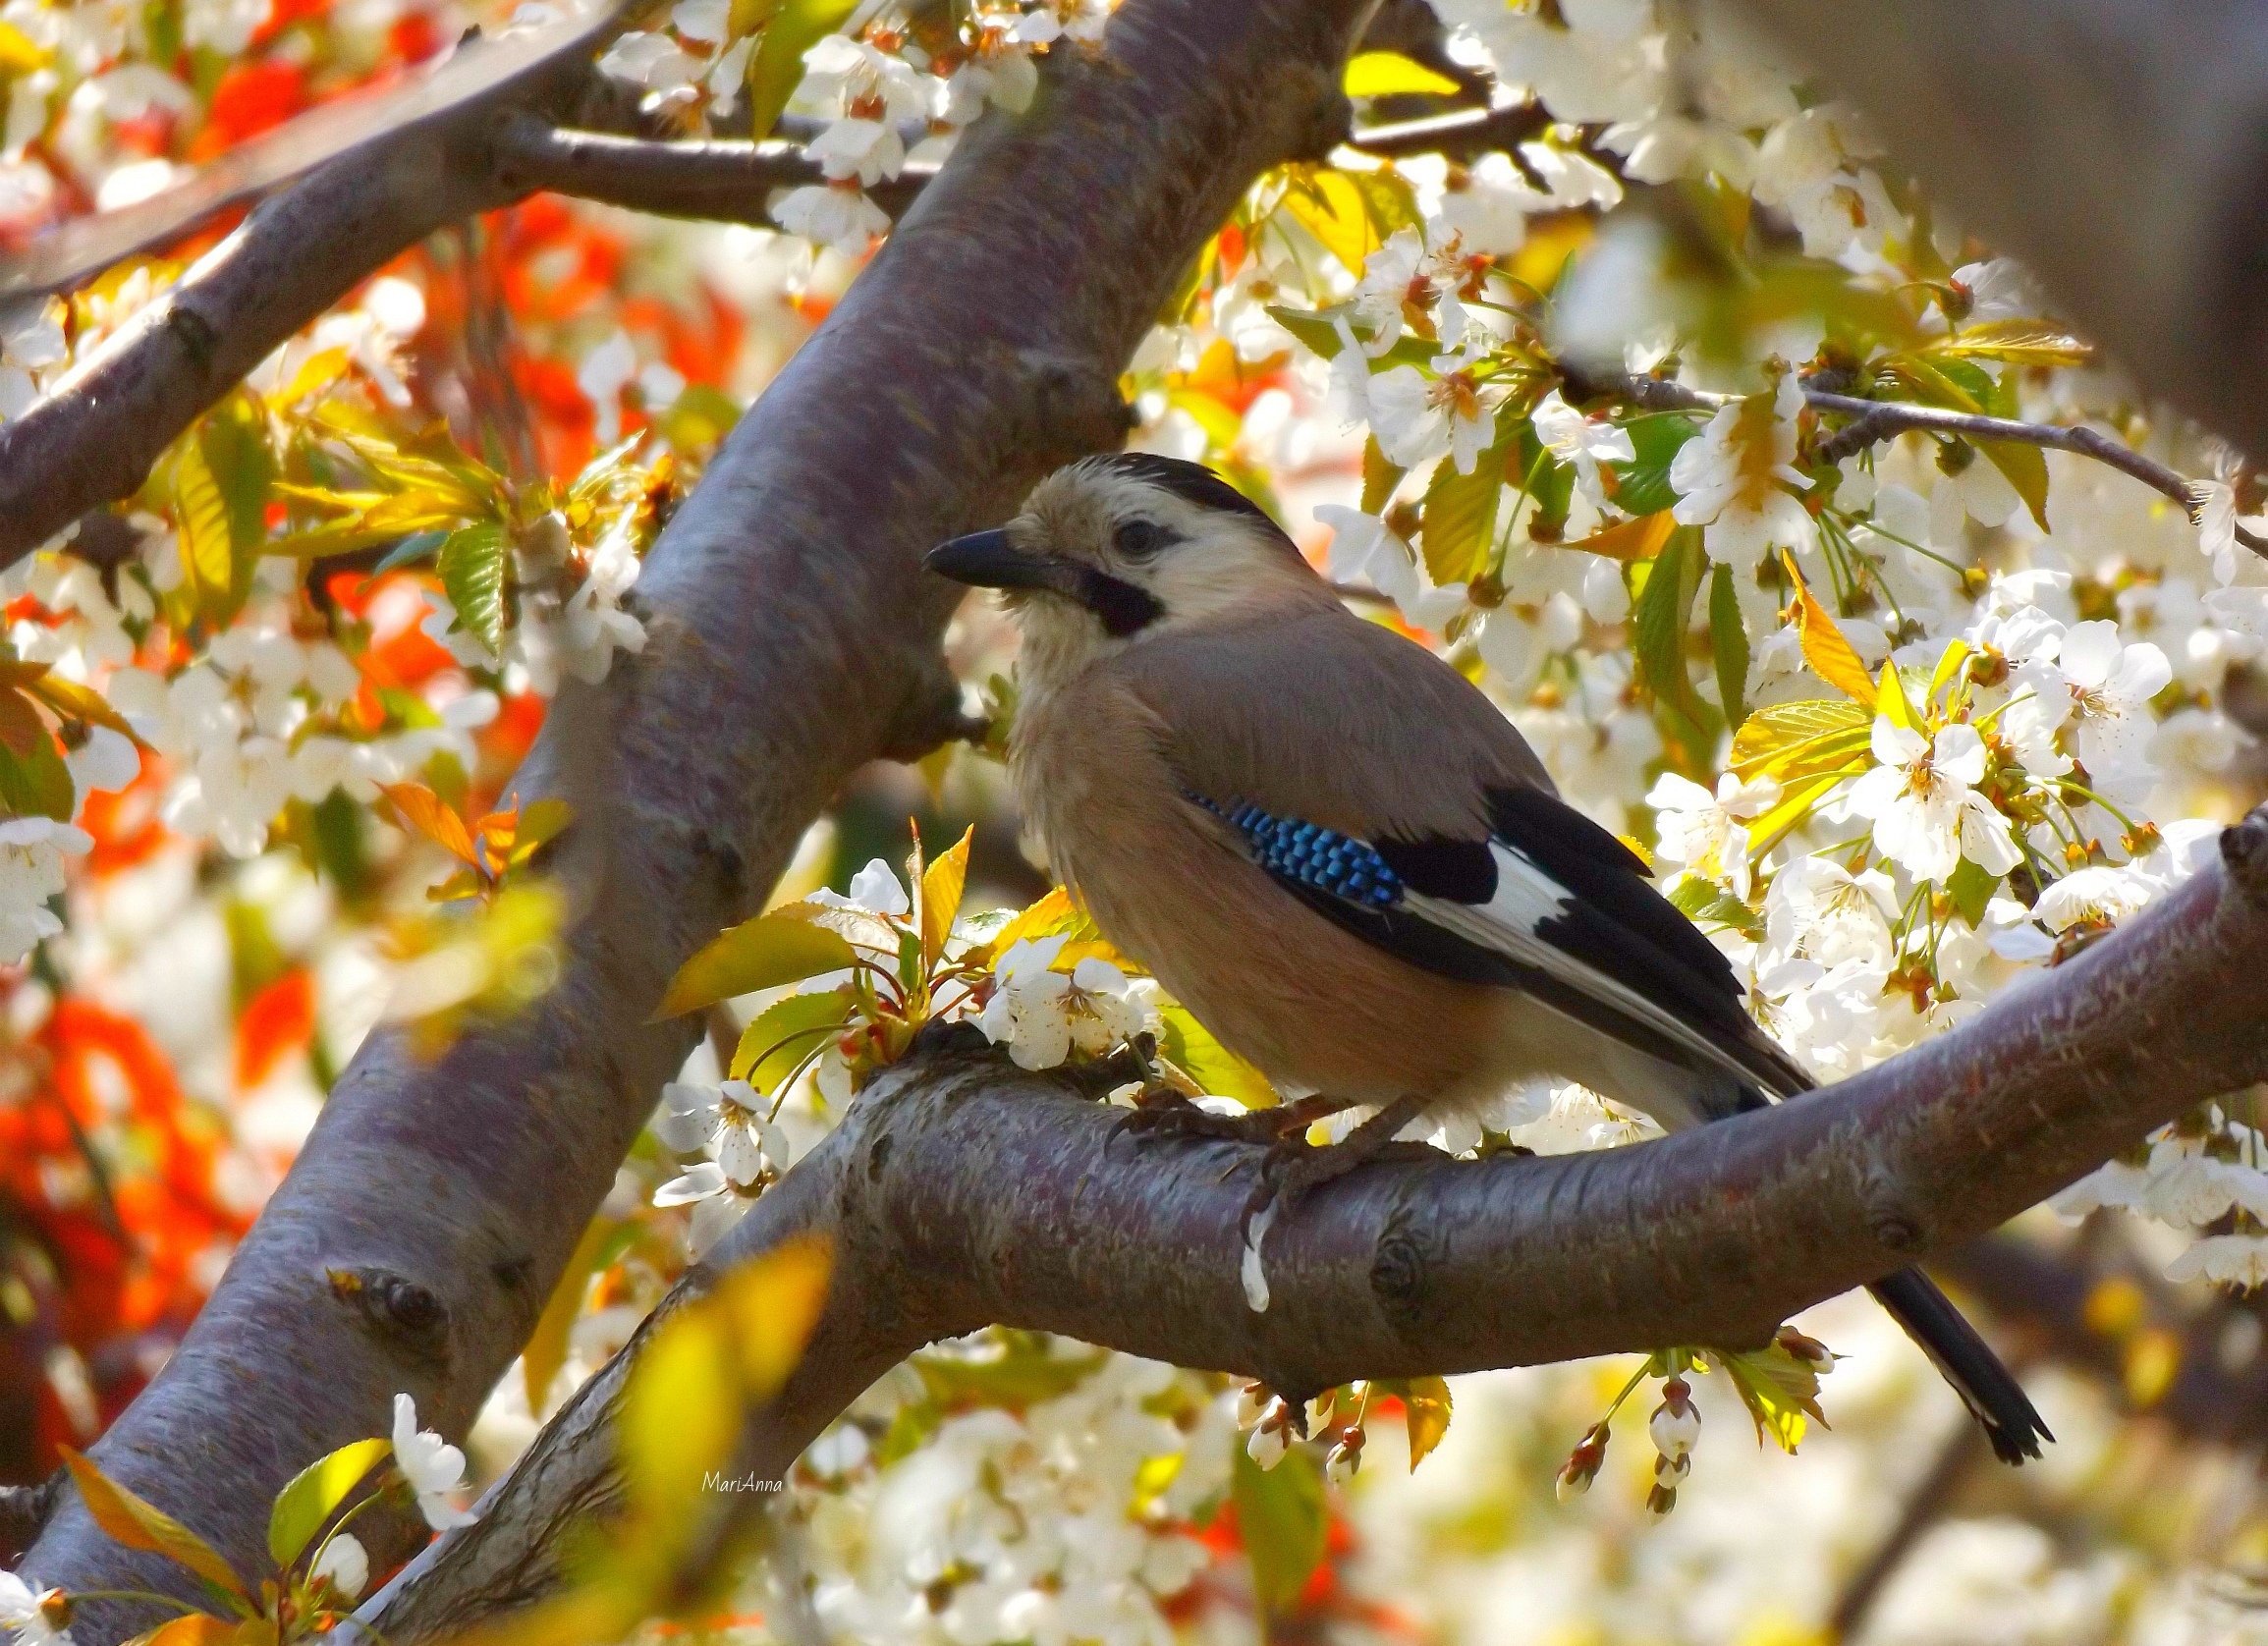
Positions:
(1339, 856)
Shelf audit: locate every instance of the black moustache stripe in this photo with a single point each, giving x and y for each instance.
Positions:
(1123, 608)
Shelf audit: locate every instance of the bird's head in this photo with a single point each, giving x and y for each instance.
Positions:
(1115, 550)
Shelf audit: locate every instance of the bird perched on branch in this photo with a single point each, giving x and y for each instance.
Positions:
(1340, 856)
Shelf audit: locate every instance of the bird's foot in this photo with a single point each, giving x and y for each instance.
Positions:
(1293, 1169)
(1160, 1111)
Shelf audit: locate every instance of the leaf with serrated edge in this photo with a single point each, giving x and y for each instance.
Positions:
(316, 1494)
(766, 953)
(1831, 656)
(424, 812)
(138, 1523)
(942, 886)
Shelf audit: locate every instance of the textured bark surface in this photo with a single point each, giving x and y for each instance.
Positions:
(790, 637)
(2120, 149)
(1405, 1268)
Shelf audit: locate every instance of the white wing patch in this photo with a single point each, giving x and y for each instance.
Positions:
(1510, 924)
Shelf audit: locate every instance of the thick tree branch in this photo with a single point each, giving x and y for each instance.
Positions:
(1713, 1237)
(791, 635)
(2119, 149)
(92, 439)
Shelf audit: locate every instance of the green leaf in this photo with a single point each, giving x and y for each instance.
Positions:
(37, 784)
(223, 480)
(1729, 645)
(1389, 74)
(1280, 1514)
(760, 954)
(138, 1523)
(2027, 468)
(1642, 486)
(1664, 609)
(1023, 1374)
(471, 567)
(1705, 901)
(200, 517)
(1313, 327)
(784, 1034)
(1971, 887)
(1458, 532)
(776, 67)
(1379, 477)
(1781, 1392)
(304, 1506)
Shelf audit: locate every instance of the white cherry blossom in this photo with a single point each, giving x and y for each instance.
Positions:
(1923, 802)
(1735, 478)
(434, 1469)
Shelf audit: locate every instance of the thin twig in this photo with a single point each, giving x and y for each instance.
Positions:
(1877, 420)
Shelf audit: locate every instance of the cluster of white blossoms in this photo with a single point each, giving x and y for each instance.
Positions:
(1066, 1520)
(882, 94)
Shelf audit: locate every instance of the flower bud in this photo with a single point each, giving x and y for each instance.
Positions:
(1252, 1403)
(1583, 1463)
(1660, 1501)
(1341, 1461)
(1676, 1424)
(1809, 1351)
(1268, 1443)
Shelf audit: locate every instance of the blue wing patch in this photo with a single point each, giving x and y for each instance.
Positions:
(1311, 855)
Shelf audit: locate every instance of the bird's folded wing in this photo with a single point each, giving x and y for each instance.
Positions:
(1379, 786)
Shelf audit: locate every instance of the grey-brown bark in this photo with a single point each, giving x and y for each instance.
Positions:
(1712, 1236)
(790, 638)
(2120, 149)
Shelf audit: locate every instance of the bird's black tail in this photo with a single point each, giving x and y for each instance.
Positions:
(1986, 1386)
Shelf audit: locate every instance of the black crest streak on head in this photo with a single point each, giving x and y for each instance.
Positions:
(1122, 608)
(1194, 483)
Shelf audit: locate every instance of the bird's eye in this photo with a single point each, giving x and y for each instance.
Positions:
(1141, 539)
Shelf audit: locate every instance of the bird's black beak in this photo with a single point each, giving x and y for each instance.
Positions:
(988, 559)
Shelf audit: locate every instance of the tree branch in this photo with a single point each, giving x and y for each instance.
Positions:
(2150, 119)
(93, 437)
(1711, 1236)
(724, 181)
(791, 635)
(1876, 420)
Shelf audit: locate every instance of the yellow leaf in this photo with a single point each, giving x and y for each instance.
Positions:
(19, 54)
(1890, 700)
(138, 1523)
(760, 954)
(546, 1349)
(317, 372)
(192, 1628)
(1216, 1071)
(1389, 74)
(1802, 739)
(1796, 802)
(2027, 343)
(1329, 206)
(1831, 656)
(774, 1304)
(421, 812)
(73, 701)
(942, 884)
(1425, 1404)
(1629, 541)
